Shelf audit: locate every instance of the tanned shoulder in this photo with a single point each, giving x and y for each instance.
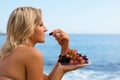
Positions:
(28, 54)
(34, 64)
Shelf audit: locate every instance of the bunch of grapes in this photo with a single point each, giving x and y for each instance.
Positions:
(73, 57)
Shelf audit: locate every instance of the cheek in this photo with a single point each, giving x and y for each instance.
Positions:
(37, 31)
(37, 34)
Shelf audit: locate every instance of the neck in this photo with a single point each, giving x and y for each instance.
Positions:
(31, 43)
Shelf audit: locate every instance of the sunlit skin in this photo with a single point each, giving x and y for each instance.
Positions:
(39, 35)
(33, 58)
(26, 63)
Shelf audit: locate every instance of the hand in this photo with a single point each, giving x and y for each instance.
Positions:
(63, 40)
(67, 68)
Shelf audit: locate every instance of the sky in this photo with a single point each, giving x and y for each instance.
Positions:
(72, 16)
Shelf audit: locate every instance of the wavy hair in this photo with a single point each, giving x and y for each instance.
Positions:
(20, 27)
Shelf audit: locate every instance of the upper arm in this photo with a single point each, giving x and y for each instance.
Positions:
(34, 65)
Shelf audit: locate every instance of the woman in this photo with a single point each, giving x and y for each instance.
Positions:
(19, 60)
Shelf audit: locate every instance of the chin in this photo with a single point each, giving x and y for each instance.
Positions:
(42, 41)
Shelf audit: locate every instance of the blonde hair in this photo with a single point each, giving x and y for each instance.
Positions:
(20, 27)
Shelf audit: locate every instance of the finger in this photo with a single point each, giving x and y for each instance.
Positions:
(58, 36)
(63, 36)
(56, 31)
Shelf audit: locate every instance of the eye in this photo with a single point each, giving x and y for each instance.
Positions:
(41, 24)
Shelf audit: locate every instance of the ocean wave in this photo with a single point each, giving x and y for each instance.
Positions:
(107, 66)
(91, 75)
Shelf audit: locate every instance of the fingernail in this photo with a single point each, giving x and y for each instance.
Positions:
(51, 33)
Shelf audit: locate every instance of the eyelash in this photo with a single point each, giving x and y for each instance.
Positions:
(41, 24)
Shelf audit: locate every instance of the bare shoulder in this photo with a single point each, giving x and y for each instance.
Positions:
(32, 60)
(27, 53)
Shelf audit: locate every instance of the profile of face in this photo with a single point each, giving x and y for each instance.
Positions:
(39, 33)
(25, 27)
(26, 23)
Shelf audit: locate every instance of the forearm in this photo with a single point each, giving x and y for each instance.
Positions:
(56, 70)
(49, 77)
(53, 71)
(58, 74)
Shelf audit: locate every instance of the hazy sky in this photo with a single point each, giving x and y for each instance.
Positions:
(73, 16)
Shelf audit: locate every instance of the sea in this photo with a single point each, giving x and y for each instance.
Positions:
(102, 50)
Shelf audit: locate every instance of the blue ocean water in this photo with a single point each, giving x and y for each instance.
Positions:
(102, 50)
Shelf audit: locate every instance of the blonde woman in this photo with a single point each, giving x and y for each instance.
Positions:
(19, 60)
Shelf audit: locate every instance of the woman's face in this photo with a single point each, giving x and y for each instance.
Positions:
(39, 33)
